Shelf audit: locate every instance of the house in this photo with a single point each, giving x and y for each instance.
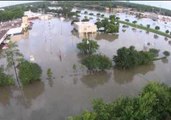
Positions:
(85, 27)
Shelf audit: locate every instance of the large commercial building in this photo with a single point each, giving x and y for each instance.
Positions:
(85, 27)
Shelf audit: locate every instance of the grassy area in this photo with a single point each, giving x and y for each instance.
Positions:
(145, 28)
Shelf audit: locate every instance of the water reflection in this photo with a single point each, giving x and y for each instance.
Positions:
(108, 37)
(32, 91)
(97, 36)
(155, 36)
(5, 95)
(126, 76)
(95, 79)
(165, 60)
(83, 35)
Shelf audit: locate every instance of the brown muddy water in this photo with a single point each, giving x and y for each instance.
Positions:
(71, 90)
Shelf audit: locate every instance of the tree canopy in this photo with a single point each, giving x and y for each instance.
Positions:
(97, 62)
(5, 79)
(153, 103)
(88, 46)
(129, 57)
(29, 72)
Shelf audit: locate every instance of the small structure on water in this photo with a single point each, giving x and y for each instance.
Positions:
(85, 27)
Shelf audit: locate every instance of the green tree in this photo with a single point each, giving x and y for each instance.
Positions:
(97, 62)
(88, 46)
(129, 57)
(148, 26)
(157, 28)
(99, 24)
(127, 20)
(29, 72)
(5, 79)
(166, 53)
(134, 21)
(13, 57)
(153, 103)
(167, 31)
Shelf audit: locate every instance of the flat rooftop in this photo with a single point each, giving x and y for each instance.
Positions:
(84, 23)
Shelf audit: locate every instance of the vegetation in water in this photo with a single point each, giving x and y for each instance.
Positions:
(109, 25)
(129, 57)
(148, 29)
(10, 14)
(5, 79)
(166, 53)
(154, 51)
(75, 20)
(49, 73)
(29, 72)
(97, 62)
(88, 46)
(153, 103)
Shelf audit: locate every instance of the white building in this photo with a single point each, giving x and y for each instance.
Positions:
(31, 14)
(85, 27)
(15, 31)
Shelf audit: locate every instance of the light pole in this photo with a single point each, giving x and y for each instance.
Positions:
(62, 19)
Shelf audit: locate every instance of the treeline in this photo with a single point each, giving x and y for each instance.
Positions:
(17, 11)
(11, 14)
(100, 5)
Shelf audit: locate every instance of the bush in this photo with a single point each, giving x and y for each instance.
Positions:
(75, 20)
(88, 46)
(78, 11)
(127, 20)
(154, 51)
(91, 14)
(167, 31)
(148, 26)
(157, 28)
(85, 20)
(166, 53)
(49, 73)
(97, 62)
(29, 72)
(98, 14)
(153, 103)
(134, 22)
(102, 15)
(5, 79)
(85, 12)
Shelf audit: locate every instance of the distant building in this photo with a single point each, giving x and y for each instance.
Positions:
(153, 16)
(15, 31)
(31, 14)
(85, 27)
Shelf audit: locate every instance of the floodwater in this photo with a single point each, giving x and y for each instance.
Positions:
(53, 45)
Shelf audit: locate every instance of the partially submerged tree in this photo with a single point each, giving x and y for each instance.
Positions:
(97, 62)
(29, 72)
(129, 57)
(88, 46)
(13, 57)
(5, 79)
(153, 103)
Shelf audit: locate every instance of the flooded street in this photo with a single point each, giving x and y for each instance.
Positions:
(53, 45)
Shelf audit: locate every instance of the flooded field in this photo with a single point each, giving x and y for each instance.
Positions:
(72, 90)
